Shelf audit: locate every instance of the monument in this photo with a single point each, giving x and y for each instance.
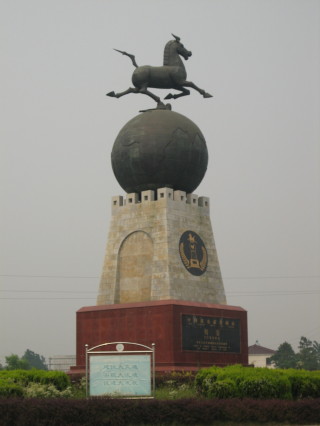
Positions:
(161, 281)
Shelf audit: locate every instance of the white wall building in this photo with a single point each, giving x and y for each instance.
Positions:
(260, 356)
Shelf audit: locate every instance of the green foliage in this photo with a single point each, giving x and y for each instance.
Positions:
(38, 390)
(174, 391)
(265, 387)
(316, 347)
(222, 389)
(175, 385)
(79, 388)
(58, 379)
(178, 377)
(34, 384)
(284, 356)
(13, 362)
(308, 356)
(35, 360)
(29, 360)
(8, 389)
(205, 378)
(304, 384)
(260, 383)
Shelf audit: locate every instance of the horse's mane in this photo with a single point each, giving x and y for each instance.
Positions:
(167, 52)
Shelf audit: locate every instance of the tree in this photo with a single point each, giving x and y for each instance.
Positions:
(308, 356)
(35, 360)
(284, 356)
(13, 362)
(316, 346)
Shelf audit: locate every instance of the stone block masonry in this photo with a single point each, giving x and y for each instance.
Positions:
(145, 260)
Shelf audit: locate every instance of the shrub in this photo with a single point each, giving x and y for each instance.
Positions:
(38, 390)
(23, 377)
(258, 383)
(175, 377)
(256, 387)
(222, 389)
(205, 378)
(57, 378)
(10, 390)
(15, 376)
(304, 383)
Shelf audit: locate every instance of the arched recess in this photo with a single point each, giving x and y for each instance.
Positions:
(134, 273)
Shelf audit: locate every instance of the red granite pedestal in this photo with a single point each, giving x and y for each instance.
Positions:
(187, 335)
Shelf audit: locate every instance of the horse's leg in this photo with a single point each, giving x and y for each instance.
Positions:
(126, 92)
(193, 86)
(145, 91)
(142, 90)
(184, 92)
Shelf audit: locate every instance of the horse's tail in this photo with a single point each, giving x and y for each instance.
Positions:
(132, 57)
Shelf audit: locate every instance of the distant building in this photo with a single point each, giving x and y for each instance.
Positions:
(259, 356)
(61, 362)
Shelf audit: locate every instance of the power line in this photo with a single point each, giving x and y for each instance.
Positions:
(47, 276)
(47, 291)
(273, 277)
(272, 293)
(253, 294)
(269, 277)
(47, 298)
(230, 293)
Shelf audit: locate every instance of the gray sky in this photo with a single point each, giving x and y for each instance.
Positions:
(260, 60)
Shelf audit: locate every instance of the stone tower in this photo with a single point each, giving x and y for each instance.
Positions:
(160, 244)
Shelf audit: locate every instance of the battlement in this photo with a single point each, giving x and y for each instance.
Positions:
(158, 196)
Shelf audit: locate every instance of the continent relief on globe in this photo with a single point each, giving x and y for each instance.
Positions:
(159, 148)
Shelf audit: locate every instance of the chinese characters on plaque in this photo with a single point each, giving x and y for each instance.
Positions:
(211, 334)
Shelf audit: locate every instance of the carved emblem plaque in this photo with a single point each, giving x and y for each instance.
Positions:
(193, 253)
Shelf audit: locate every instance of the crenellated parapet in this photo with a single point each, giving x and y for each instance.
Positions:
(160, 196)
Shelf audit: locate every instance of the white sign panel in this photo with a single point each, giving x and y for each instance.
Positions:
(128, 375)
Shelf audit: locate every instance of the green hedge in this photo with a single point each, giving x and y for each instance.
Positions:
(260, 383)
(178, 377)
(304, 384)
(23, 377)
(9, 390)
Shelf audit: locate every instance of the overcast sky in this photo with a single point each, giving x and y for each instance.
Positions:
(260, 60)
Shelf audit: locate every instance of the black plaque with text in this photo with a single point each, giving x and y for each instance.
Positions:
(210, 334)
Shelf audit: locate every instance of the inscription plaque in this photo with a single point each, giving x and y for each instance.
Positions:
(120, 374)
(210, 334)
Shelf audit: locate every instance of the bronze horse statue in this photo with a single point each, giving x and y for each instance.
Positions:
(172, 75)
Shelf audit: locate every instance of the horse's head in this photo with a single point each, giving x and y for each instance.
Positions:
(181, 49)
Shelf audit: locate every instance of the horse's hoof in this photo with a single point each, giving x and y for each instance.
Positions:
(112, 94)
(207, 95)
(169, 96)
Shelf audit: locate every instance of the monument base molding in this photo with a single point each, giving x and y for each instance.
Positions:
(187, 335)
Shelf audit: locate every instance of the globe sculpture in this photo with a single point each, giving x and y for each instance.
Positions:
(159, 148)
